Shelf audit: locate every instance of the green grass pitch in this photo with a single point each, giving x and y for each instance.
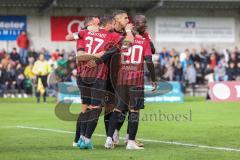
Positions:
(195, 121)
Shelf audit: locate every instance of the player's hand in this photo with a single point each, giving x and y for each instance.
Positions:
(129, 27)
(99, 54)
(154, 85)
(91, 64)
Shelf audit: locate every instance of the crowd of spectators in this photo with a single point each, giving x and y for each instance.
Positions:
(18, 74)
(192, 66)
(18, 77)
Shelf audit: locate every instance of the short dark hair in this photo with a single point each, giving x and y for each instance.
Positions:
(87, 20)
(137, 16)
(105, 19)
(117, 12)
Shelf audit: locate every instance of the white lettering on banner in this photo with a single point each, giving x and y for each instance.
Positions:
(221, 91)
(238, 91)
(80, 25)
(11, 25)
(194, 29)
(9, 32)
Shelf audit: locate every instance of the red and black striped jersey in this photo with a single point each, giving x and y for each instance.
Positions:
(131, 68)
(94, 43)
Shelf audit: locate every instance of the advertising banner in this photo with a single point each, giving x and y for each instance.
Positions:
(195, 29)
(11, 27)
(62, 25)
(225, 91)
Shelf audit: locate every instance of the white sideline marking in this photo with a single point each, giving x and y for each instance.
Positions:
(141, 139)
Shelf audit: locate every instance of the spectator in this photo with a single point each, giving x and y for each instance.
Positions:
(14, 56)
(217, 55)
(30, 79)
(64, 53)
(237, 53)
(203, 58)
(52, 63)
(199, 72)
(2, 54)
(56, 54)
(194, 57)
(33, 54)
(220, 73)
(213, 61)
(238, 72)
(232, 72)
(6, 61)
(62, 67)
(183, 55)
(226, 54)
(41, 69)
(23, 44)
(20, 80)
(223, 61)
(46, 53)
(233, 58)
(185, 61)
(169, 72)
(178, 72)
(11, 83)
(164, 56)
(191, 77)
(73, 77)
(209, 74)
(3, 80)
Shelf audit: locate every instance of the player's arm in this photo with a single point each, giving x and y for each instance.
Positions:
(151, 69)
(150, 66)
(84, 56)
(72, 36)
(152, 47)
(106, 55)
(75, 35)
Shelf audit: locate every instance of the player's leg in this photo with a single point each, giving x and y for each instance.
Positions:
(118, 114)
(109, 103)
(136, 103)
(107, 115)
(81, 121)
(97, 100)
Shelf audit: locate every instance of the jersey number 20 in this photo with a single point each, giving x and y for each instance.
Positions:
(131, 55)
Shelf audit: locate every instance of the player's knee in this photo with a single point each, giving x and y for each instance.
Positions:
(84, 108)
(134, 116)
(120, 115)
(117, 110)
(134, 110)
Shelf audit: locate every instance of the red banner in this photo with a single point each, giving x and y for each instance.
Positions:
(61, 26)
(225, 91)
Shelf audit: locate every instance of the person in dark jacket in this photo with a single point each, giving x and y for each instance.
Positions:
(3, 80)
(20, 79)
(11, 80)
(14, 56)
(231, 71)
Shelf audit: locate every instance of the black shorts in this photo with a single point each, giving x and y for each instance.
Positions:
(130, 97)
(92, 91)
(110, 97)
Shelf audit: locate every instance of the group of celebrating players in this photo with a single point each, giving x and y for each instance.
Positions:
(110, 62)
